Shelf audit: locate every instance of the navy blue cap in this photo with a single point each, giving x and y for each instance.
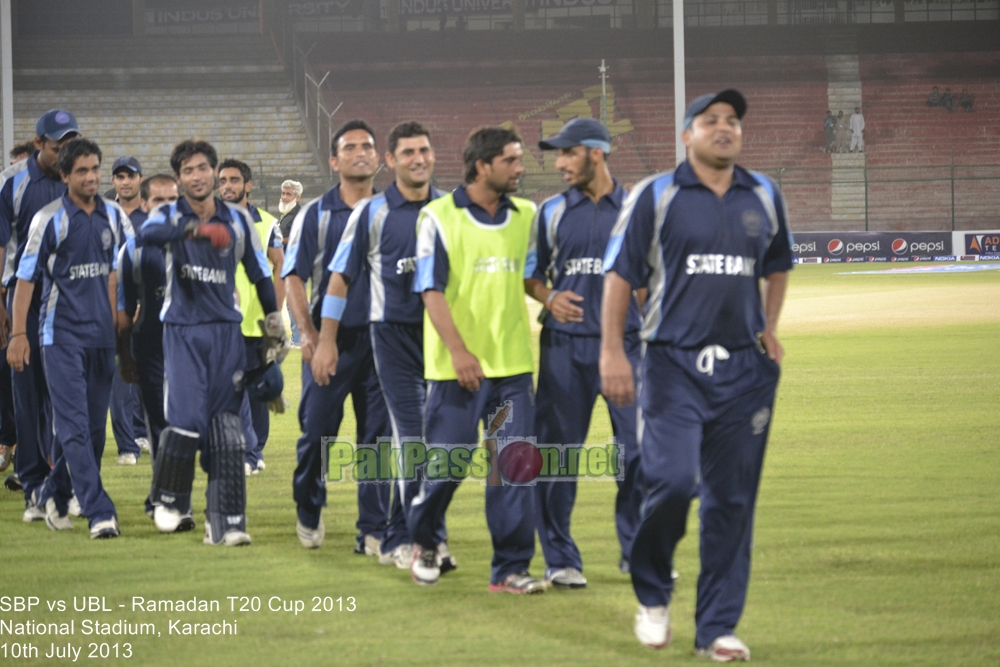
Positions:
(265, 384)
(126, 162)
(579, 132)
(56, 124)
(730, 96)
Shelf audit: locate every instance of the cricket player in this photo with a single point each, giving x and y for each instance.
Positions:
(141, 287)
(701, 239)
(380, 240)
(316, 232)
(475, 247)
(127, 421)
(27, 187)
(573, 229)
(204, 356)
(72, 246)
(235, 184)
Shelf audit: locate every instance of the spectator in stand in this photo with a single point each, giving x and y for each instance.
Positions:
(842, 134)
(289, 207)
(947, 100)
(857, 131)
(829, 131)
(965, 100)
(934, 99)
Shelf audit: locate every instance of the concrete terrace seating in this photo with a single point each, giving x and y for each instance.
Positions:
(905, 134)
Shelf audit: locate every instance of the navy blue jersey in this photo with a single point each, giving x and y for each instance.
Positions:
(26, 189)
(200, 280)
(138, 216)
(315, 234)
(73, 253)
(381, 239)
(701, 257)
(141, 287)
(572, 233)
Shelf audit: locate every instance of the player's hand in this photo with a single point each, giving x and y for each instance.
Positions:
(5, 325)
(276, 345)
(216, 232)
(468, 370)
(324, 362)
(19, 353)
(772, 346)
(617, 382)
(563, 307)
(127, 367)
(309, 340)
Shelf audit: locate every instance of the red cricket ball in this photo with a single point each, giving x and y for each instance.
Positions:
(520, 462)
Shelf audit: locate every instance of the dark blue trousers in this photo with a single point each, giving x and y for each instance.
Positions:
(399, 362)
(127, 422)
(32, 407)
(148, 355)
(320, 412)
(8, 429)
(79, 380)
(713, 428)
(203, 366)
(452, 417)
(260, 418)
(569, 382)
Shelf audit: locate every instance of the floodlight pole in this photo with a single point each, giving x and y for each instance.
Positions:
(679, 84)
(6, 81)
(604, 93)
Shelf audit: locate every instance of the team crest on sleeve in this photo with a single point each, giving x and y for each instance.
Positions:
(759, 420)
(106, 238)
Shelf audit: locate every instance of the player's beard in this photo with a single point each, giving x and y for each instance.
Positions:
(285, 207)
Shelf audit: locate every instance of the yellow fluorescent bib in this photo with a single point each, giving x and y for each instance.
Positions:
(485, 290)
(250, 306)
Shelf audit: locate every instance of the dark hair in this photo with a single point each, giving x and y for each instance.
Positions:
(186, 150)
(243, 167)
(407, 130)
(356, 124)
(73, 149)
(485, 144)
(27, 148)
(155, 178)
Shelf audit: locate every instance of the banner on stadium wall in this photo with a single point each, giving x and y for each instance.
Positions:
(976, 245)
(182, 12)
(425, 8)
(830, 247)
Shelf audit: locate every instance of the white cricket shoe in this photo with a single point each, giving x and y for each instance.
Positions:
(566, 577)
(127, 459)
(372, 545)
(231, 538)
(172, 521)
(445, 560)
(424, 568)
(311, 538)
(105, 529)
(260, 464)
(54, 520)
(249, 469)
(652, 626)
(727, 648)
(74, 506)
(32, 512)
(143, 444)
(401, 557)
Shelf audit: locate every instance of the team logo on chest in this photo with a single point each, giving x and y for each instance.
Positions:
(106, 238)
(753, 222)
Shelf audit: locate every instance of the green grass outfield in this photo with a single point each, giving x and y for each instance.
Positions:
(877, 542)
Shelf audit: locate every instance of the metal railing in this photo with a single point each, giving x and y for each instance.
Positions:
(314, 98)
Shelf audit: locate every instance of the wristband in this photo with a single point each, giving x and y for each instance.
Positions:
(333, 307)
(552, 295)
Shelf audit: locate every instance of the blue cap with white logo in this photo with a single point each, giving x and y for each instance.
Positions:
(730, 96)
(55, 124)
(579, 132)
(126, 162)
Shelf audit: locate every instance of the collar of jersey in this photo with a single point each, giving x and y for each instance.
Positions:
(684, 177)
(574, 196)
(72, 209)
(462, 200)
(222, 211)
